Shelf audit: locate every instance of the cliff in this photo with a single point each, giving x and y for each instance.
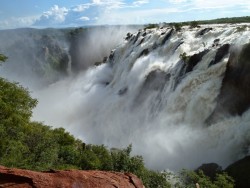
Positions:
(17, 178)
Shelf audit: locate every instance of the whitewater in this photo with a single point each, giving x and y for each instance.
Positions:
(148, 95)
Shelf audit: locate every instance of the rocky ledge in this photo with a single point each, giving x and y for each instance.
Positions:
(17, 178)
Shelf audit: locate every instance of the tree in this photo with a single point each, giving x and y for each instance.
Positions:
(191, 178)
(3, 58)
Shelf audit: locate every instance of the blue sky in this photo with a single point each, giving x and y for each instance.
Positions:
(73, 13)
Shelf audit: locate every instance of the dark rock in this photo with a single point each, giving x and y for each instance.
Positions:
(221, 52)
(123, 91)
(203, 31)
(144, 52)
(17, 178)
(129, 35)
(136, 37)
(240, 171)
(111, 56)
(234, 97)
(168, 35)
(186, 65)
(210, 169)
(156, 80)
(142, 40)
(194, 60)
(216, 42)
(178, 45)
(144, 34)
(105, 59)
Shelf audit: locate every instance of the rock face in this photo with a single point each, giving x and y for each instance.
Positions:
(234, 98)
(210, 169)
(17, 178)
(240, 172)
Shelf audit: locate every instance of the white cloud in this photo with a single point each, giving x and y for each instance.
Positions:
(14, 22)
(54, 16)
(205, 4)
(81, 8)
(141, 2)
(84, 18)
(177, 1)
(56, 13)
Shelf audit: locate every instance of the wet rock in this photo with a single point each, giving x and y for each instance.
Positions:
(136, 37)
(156, 80)
(234, 97)
(168, 35)
(123, 91)
(210, 169)
(142, 40)
(186, 65)
(203, 31)
(17, 178)
(240, 172)
(221, 52)
(111, 57)
(144, 52)
(216, 42)
(144, 34)
(129, 35)
(194, 60)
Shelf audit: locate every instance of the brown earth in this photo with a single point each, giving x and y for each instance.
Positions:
(18, 178)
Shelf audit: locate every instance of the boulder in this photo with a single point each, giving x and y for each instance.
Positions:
(240, 172)
(210, 169)
(221, 52)
(17, 178)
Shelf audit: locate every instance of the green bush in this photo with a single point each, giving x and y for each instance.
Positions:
(193, 24)
(3, 58)
(189, 179)
(151, 26)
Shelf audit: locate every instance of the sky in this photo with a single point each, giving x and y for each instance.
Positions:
(75, 13)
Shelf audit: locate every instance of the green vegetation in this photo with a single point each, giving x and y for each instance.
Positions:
(241, 28)
(184, 57)
(190, 179)
(151, 26)
(176, 26)
(233, 20)
(193, 24)
(3, 58)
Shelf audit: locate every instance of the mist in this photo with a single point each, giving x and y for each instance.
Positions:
(145, 99)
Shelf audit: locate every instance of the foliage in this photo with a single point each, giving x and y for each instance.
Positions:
(191, 178)
(3, 58)
(232, 20)
(241, 28)
(184, 57)
(193, 24)
(176, 26)
(151, 26)
(123, 162)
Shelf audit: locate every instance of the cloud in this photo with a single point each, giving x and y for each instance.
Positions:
(81, 8)
(177, 1)
(204, 4)
(84, 18)
(55, 15)
(139, 3)
(15, 22)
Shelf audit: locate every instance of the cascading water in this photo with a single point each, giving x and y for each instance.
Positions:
(158, 90)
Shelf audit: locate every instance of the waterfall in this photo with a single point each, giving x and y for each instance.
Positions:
(159, 90)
